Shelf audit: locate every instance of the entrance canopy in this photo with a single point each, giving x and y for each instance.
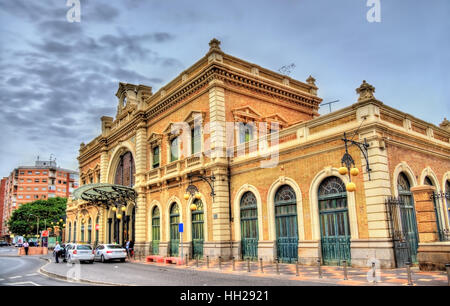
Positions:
(102, 193)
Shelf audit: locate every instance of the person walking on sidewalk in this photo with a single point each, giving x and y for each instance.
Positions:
(127, 247)
(56, 251)
(26, 246)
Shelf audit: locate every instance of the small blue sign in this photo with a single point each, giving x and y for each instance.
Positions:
(180, 227)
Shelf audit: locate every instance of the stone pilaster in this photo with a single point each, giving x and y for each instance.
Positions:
(217, 117)
(104, 165)
(141, 202)
(425, 213)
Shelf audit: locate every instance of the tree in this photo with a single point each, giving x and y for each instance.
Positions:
(23, 220)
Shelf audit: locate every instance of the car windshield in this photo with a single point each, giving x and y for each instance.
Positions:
(114, 246)
(84, 247)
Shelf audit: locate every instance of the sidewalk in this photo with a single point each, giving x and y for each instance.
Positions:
(179, 275)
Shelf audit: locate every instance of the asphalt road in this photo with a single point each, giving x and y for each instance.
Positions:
(24, 271)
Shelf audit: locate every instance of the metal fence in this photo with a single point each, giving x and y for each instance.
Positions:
(441, 201)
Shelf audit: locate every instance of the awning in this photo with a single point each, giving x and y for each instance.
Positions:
(104, 193)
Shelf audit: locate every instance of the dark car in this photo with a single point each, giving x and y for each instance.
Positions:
(3, 243)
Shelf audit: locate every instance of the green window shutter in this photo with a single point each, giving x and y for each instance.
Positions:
(174, 150)
(195, 140)
(156, 154)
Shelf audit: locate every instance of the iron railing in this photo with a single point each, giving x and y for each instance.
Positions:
(442, 229)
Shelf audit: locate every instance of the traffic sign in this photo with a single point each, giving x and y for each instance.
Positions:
(180, 227)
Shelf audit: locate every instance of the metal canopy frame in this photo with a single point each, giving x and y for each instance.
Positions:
(105, 194)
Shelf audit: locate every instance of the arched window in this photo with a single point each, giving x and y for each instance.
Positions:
(89, 239)
(75, 231)
(334, 221)
(174, 232)
(407, 216)
(197, 229)
(428, 181)
(70, 232)
(125, 170)
(249, 226)
(286, 224)
(97, 224)
(156, 230)
(82, 231)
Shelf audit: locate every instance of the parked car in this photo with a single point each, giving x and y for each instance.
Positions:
(106, 252)
(19, 245)
(79, 253)
(4, 243)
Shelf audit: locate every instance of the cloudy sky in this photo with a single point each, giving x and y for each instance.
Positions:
(58, 78)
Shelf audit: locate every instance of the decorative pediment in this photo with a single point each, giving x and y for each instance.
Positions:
(154, 139)
(175, 129)
(246, 114)
(195, 115)
(276, 118)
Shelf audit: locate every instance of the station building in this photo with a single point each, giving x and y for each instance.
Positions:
(241, 157)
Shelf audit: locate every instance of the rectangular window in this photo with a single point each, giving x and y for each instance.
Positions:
(30, 172)
(44, 189)
(28, 197)
(155, 162)
(44, 172)
(21, 180)
(174, 149)
(28, 188)
(22, 172)
(36, 196)
(36, 188)
(37, 172)
(36, 180)
(29, 181)
(44, 180)
(246, 132)
(196, 140)
(20, 197)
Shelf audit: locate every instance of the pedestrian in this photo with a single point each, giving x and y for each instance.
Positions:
(127, 247)
(26, 246)
(131, 247)
(57, 251)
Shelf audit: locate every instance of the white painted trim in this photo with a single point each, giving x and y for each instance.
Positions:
(403, 167)
(114, 160)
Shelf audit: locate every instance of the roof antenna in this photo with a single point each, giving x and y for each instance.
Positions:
(287, 69)
(329, 103)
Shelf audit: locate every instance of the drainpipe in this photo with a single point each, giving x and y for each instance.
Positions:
(229, 208)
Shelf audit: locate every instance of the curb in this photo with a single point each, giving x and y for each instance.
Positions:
(65, 278)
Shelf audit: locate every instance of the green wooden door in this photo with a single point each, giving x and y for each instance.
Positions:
(156, 230)
(334, 222)
(286, 224)
(197, 230)
(410, 236)
(174, 232)
(249, 226)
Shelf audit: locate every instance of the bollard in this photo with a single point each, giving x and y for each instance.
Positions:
(344, 262)
(447, 267)
(296, 268)
(408, 269)
(277, 261)
(207, 262)
(320, 268)
(248, 264)
(220, 262)
(374, 273)
(261, 265)
(187, 259)
(233, 263)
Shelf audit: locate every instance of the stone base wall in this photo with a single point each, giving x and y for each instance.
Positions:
(433, 255)
(216, 249)
(364, 252)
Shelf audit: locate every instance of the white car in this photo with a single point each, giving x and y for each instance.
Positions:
(105, 252)
(79, 252)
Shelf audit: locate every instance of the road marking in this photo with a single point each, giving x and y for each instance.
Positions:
(2, 279)
(13, 277)
(23, 284)
(32, 274)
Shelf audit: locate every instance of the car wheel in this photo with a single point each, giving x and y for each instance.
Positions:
(103, 259)
(122, 260)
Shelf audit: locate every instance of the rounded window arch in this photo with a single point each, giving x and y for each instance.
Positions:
(428, 181)
(156, 230)
(125, 170)
(249, 225)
